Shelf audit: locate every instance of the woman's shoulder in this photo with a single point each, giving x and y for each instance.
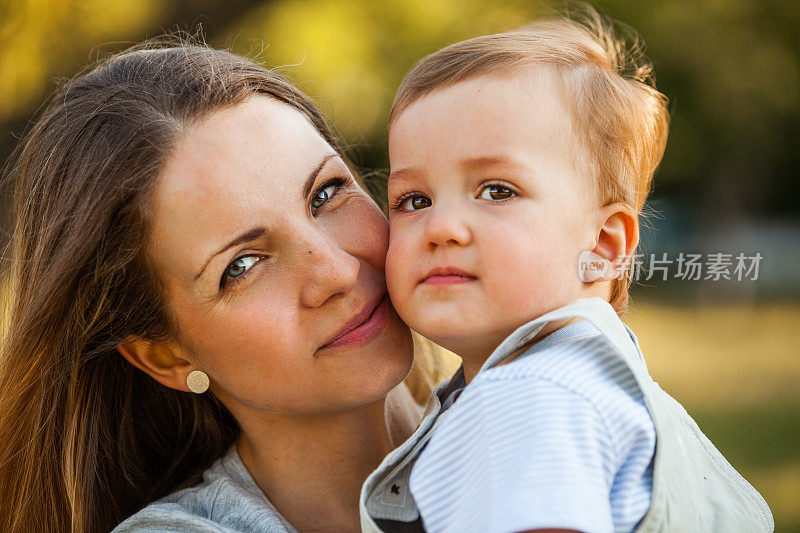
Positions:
(164, 516)
(226, 500)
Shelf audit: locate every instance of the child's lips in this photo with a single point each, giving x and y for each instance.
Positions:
(447, 276)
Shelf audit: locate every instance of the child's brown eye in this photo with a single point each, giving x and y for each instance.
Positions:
(496, 192)
(414, 203)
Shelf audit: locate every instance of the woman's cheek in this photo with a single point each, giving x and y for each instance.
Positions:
(378, 235)
(363, 230)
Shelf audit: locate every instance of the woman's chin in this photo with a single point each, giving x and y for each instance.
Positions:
(391, 363)
(356, 375)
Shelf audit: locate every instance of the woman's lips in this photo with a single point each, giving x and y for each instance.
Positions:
(447, 276)
(367, 329)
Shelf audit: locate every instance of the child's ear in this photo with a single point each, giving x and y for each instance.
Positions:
(161, 361)
(617, 238)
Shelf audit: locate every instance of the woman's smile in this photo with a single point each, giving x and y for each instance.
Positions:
(364, 326)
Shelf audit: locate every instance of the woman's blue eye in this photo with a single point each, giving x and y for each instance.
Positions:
(496, 192)
(324, 194)
(238, 268)
(414, 203)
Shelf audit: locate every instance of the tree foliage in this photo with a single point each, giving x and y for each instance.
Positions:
(731, 69)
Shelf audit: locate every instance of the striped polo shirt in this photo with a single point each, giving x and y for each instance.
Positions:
(558, 438)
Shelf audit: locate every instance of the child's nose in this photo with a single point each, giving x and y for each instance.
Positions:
(446, 226)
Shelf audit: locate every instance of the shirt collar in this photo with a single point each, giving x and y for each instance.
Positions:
(527, 332)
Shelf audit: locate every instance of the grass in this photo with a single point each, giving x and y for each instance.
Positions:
(736, 370)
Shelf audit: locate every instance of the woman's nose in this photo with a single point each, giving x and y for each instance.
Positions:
(446, 226)
(329, 271)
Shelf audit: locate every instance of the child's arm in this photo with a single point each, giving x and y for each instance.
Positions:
(532, 454)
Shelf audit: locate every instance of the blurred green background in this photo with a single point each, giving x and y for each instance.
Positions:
(728, 183)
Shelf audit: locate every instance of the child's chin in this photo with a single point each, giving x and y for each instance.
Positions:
(443, 332)
(433, 318)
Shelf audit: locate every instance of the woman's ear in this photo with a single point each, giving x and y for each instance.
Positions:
(161, 361)
(617, 238)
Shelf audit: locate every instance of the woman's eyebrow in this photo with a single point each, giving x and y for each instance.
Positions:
(313, 176)
(250, 235)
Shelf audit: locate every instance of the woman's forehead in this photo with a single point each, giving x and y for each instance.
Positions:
(260, 137)
(261, 146)
(238, 166)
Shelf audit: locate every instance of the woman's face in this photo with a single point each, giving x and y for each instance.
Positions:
(273, 259)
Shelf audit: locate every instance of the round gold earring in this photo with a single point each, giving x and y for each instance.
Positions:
(197, 381)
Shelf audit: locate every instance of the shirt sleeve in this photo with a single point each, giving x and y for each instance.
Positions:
(161, 518)
(517, 455)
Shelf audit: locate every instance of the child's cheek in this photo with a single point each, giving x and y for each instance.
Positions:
(523, 268)
(398, 261)
(392, 270)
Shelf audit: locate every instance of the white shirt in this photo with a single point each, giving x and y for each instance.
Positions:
(694, 488)
(558, 438)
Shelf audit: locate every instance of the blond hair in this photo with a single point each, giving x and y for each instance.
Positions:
(619, 117)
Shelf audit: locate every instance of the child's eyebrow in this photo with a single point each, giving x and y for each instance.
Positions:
(475, 163)
(402, 174)
(468, 164)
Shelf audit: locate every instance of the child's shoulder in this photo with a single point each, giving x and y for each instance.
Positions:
(557, 425)
(577, 358)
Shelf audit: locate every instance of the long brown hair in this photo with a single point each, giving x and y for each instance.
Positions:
(86, 439)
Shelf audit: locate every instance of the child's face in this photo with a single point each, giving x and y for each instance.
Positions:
(483, 182)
